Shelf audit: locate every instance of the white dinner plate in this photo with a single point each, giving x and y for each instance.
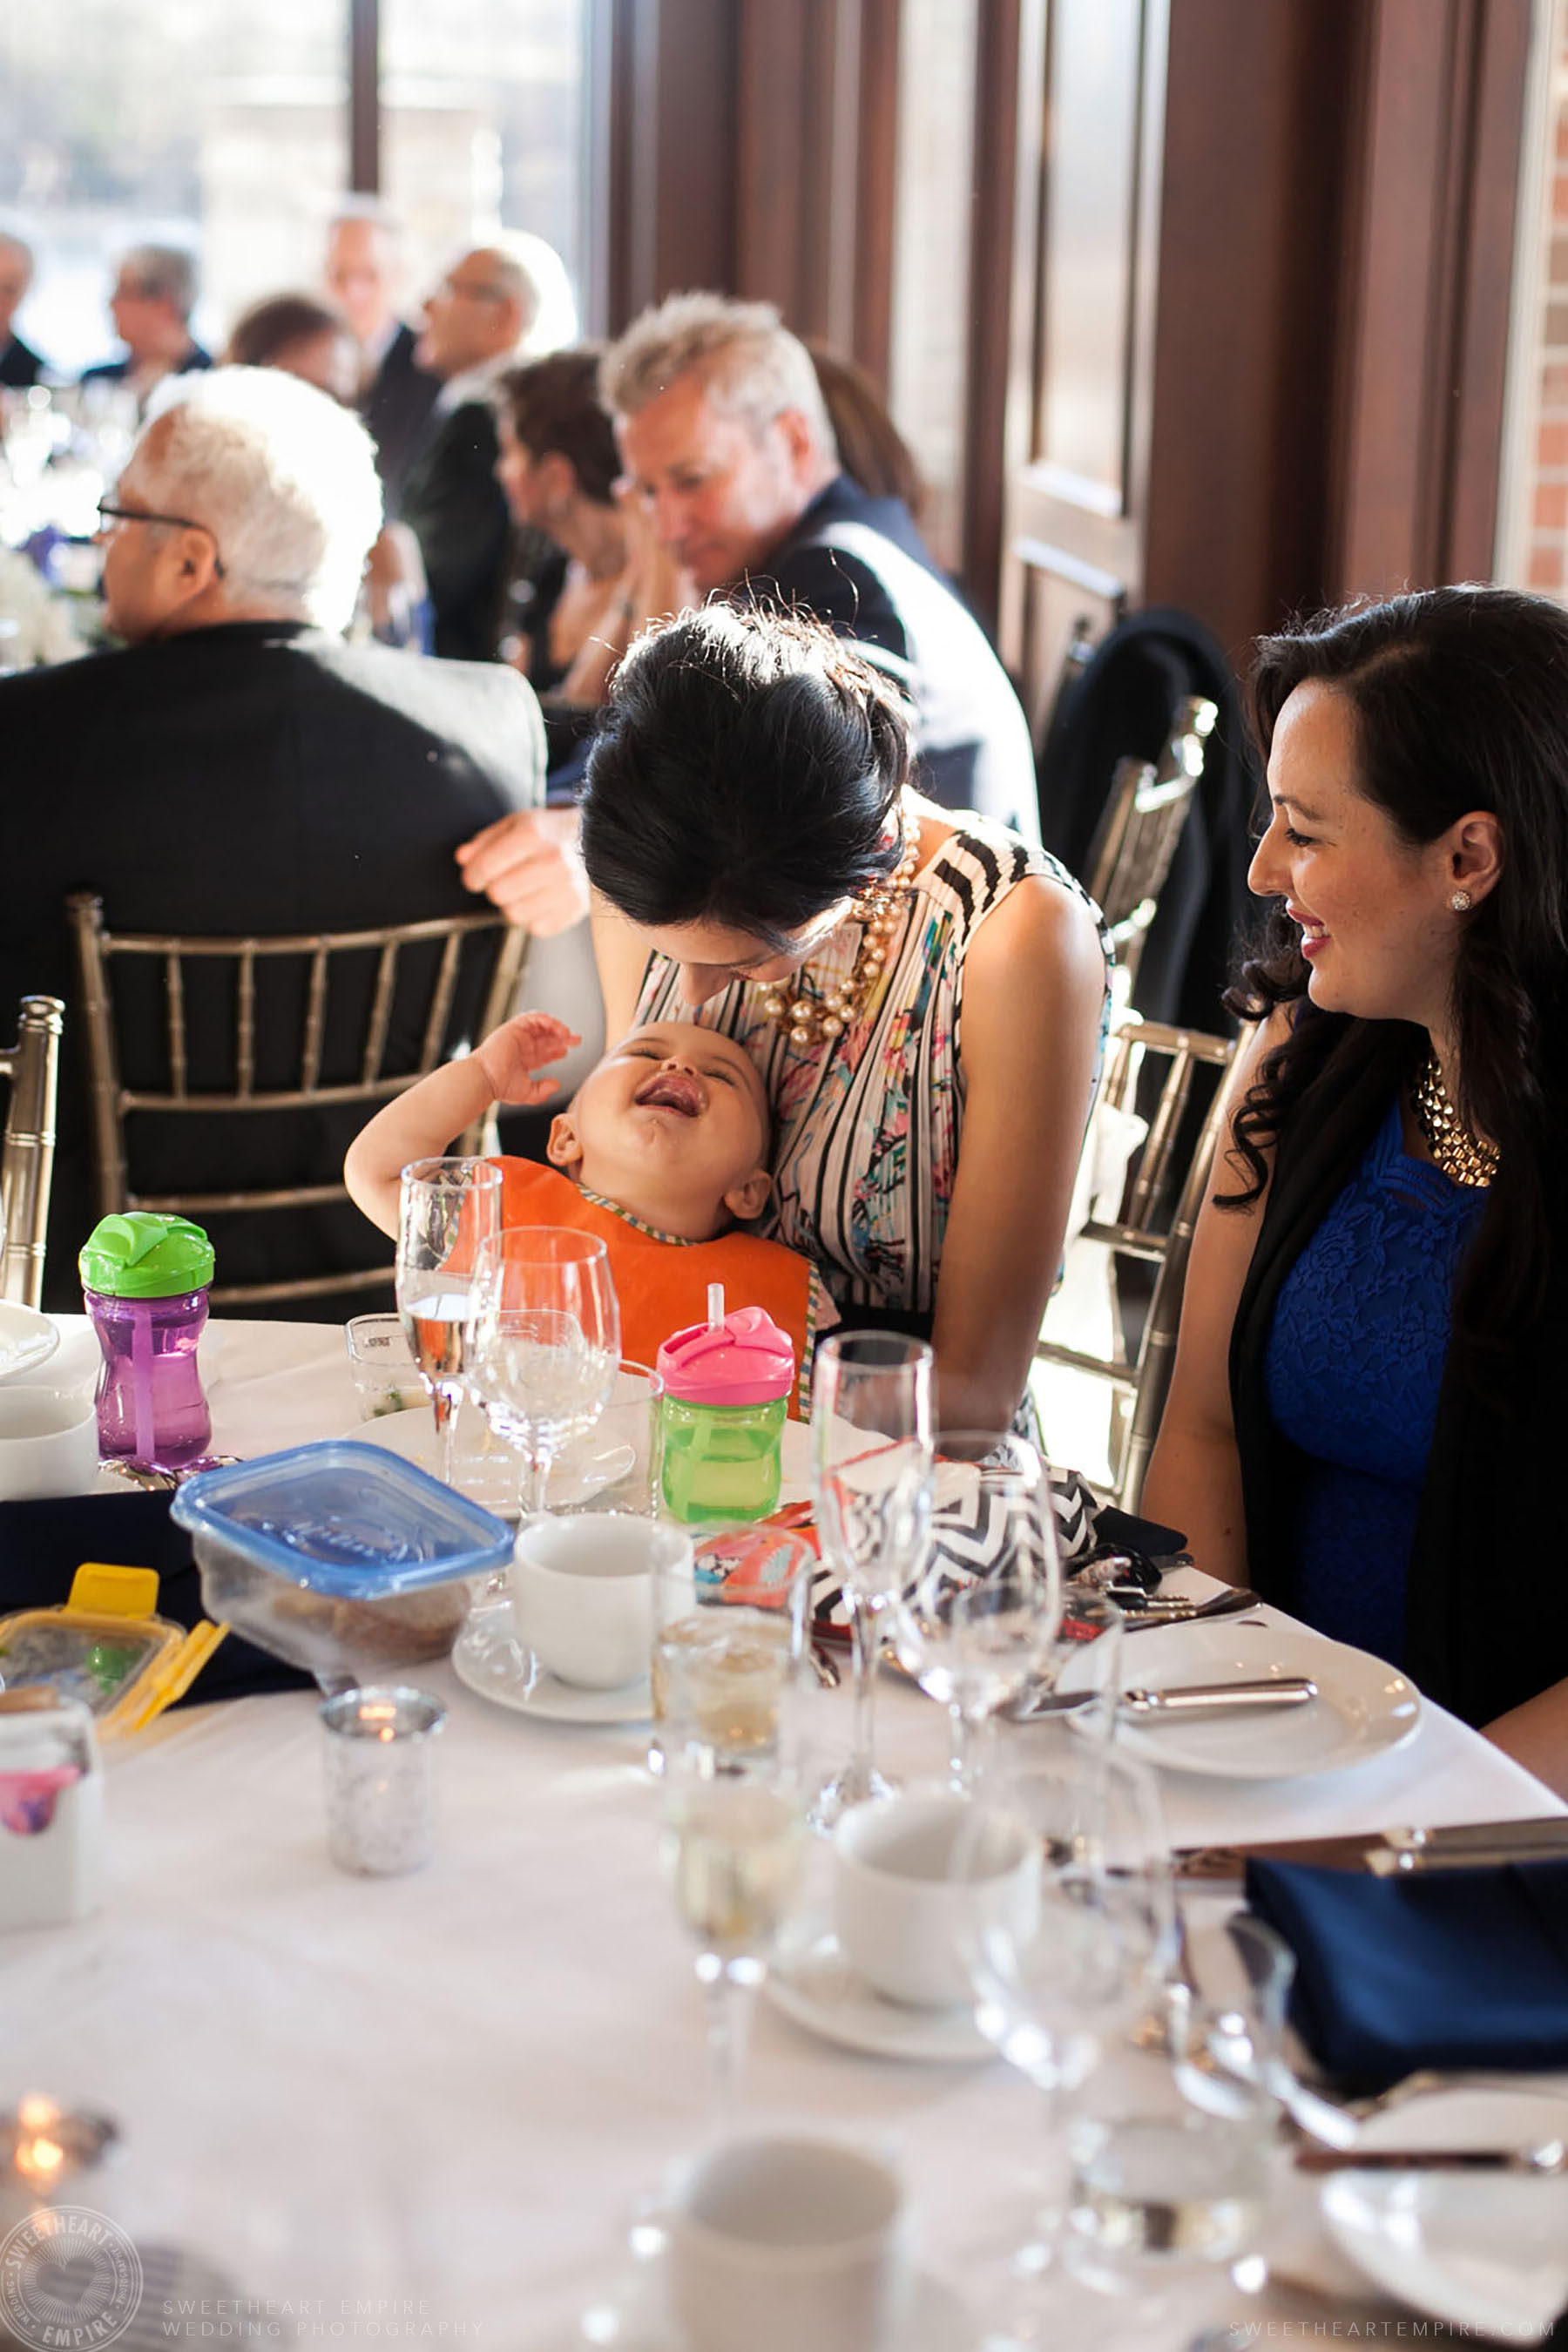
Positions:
(546, 1698)
(1482, 2251)
(631, 2314)
(26, 1339)
(1362, 1708)
(486, 1470)
(810, 1980)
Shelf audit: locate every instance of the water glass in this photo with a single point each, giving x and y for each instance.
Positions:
(447, 1211)
(872, 1464)
(976, 1622)
(546, 1341)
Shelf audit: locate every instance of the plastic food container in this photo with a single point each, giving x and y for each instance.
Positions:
(341, 1558)
(105, 1651)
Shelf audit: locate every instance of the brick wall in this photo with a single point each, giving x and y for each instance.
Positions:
(1546, 483)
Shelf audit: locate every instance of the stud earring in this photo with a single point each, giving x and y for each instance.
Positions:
(1460, 902)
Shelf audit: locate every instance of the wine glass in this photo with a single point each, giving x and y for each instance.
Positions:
(976, 1621)
(447, 1211)
(546, 1343)
(733, 1846)
(1057, 1991)
(873, 1468)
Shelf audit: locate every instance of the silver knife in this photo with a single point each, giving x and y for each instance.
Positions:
(1189, 1699)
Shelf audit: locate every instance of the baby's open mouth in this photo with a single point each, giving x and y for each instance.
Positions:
(671, 1090)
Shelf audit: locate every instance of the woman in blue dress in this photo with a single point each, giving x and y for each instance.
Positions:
(1367, 1414)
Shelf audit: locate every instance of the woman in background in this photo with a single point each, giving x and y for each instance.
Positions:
(1364, 1421)
(558, 466)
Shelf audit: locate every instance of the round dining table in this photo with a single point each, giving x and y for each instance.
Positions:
(432, 2109)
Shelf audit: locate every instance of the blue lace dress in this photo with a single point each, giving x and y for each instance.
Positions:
(1353, 1368)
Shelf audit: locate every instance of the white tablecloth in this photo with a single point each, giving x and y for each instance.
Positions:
(449, 2091)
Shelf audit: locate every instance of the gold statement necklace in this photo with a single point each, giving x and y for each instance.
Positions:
(813, 1013)
(1459, 1154)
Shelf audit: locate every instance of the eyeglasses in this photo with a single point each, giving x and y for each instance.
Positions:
(108, 513)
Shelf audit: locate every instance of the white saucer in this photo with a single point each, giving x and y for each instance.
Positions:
(810, 1980)
(1487, 2252)
(488, 1472)
(549, 1700)
(26, 1339)
(1363, 1709)
(631, 2315)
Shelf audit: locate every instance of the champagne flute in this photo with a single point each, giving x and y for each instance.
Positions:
(447, 1211)
(546, 1343)
(976, 1621)
(733, 1849)
(872, 1467)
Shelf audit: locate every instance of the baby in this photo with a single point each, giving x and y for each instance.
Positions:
(662, 1154)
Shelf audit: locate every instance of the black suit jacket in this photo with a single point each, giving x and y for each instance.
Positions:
(116, 371)
(457, 511)
(257, 777)
(858, 563)
(20, 365)
(397, 408)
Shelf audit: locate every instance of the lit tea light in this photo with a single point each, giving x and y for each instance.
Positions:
(379, 1792)
(43, 2147)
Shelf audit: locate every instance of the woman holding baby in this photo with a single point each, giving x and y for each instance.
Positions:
(922, 993)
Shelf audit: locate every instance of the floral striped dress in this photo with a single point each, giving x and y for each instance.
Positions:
(867, 1125)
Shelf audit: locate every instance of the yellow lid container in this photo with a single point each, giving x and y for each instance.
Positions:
(105, 1648)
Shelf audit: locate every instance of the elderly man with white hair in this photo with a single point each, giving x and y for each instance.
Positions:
(239, 769)
(479, 321)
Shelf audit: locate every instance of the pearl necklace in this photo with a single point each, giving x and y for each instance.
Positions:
(1461, 1156)
(813, 1014)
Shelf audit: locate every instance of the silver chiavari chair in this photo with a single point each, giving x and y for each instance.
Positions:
(1153, 1225)
(1141, 830)
(322, 960)
(28, 1156)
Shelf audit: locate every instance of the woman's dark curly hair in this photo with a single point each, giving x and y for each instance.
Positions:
(1460, 703)
(746, 773)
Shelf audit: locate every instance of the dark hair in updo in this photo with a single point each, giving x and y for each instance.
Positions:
(1460, 702)
(747, 773)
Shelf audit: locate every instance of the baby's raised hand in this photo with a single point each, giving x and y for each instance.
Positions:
(509, 1055)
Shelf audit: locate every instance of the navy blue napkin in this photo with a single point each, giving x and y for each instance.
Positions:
(1454, 1968)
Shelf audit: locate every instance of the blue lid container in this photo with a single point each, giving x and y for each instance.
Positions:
(340, 1558)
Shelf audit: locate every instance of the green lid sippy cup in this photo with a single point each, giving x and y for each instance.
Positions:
(727, 1386)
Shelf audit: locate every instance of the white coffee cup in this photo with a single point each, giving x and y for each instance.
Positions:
(49, 1443)
(918, 1881)
(582, 1590)
(787, 2245)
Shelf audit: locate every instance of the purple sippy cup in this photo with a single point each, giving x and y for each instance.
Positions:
(144, 1278)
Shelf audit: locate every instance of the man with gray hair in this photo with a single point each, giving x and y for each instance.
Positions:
(725, 435)
(236, 769)
(154, 294)
(20, 365)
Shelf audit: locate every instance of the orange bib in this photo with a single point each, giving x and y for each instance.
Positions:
(662, 1284)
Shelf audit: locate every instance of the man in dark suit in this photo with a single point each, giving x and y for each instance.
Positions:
(20, 366)
(154, 294)
(474, 324)
(239, 769)
(396, 394)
